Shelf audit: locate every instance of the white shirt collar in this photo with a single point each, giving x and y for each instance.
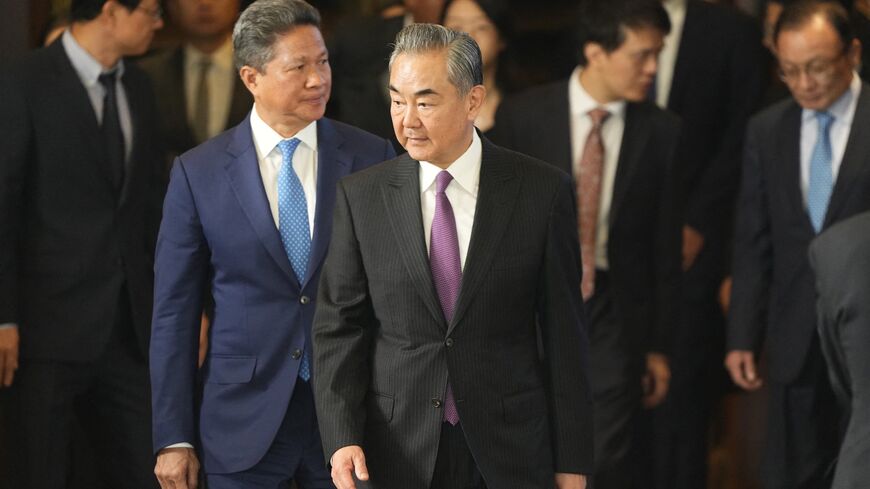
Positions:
(221, 58)
(843, 109)
(266, 138)
(581, 102)
(87, 67)
(465, 170)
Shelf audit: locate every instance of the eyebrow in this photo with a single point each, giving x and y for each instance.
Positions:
(425, 91)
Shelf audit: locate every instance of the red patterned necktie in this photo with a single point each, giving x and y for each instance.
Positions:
(589, 197)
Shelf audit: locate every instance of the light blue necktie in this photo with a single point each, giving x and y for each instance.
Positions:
(293, 224)
(821, 175)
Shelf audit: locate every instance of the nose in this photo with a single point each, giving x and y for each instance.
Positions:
(315, 77)
(411, 118)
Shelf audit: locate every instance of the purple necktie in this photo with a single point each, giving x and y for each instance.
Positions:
(446, 267)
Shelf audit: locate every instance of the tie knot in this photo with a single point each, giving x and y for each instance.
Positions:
(288, 147)
(107, 79)
(825, 119)
(598, 116)
(442, 181)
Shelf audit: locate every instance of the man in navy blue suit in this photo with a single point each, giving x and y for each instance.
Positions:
(248, 216)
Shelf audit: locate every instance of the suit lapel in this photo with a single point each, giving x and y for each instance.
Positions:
(332, 163)
(790, 163)
(402, 200)
(634, 141)
(854, 159)
(496, 198)
(73, 95)
(244, 175)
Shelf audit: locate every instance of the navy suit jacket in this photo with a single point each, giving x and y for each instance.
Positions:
(218, 230)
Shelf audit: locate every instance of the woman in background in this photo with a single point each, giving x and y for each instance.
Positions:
(488, 22)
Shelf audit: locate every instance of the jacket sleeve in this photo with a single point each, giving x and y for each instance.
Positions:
(181, 268)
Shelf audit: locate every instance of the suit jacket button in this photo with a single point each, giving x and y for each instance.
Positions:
(297, 354)
(449, 342)
(436, 403)
(304, 300)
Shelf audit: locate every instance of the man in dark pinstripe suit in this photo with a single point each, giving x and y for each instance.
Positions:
(449, 341)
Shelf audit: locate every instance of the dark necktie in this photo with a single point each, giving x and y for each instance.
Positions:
(446, 267)
(201, 111)
(113, 136)
(589, 197)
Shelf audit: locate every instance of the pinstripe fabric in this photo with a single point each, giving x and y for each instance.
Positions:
(381, 345)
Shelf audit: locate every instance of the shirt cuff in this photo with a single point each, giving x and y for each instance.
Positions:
(8, 325)
(179, 445)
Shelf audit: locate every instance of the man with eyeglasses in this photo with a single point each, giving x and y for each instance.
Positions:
(805, 168)
(80, 191)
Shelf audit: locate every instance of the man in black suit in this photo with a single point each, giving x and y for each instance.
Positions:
(712, 74)
(80, 179)
(805, 168)
(448, 268)
(840, 258)
(632, 244)
(199, 93)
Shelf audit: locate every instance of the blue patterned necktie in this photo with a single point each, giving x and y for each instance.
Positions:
(293, 224)
(821, 175)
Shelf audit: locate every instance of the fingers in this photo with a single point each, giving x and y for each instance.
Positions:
(741, 367)
(347, 462)
(8, 355)
(359, 461)
(177, 468)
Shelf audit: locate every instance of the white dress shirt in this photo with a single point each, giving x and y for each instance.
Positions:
(221, 78)
(843, 110)
(668, 58)
(270, 158)
(462, 193)
(580, 103)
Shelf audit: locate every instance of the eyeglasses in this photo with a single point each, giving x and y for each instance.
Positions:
(156, 13)
(819, 70)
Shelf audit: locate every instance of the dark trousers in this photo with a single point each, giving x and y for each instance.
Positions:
(614, 375)
(455, 467)
(109, 399)
(803, 425)
(679, 434)
(296, 454)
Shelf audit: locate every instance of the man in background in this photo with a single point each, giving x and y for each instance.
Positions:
(621, 151)
(80, 187)
(805, 168)
(199, 92)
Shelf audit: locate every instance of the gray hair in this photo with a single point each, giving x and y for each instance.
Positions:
(464, 64)
(260, 25)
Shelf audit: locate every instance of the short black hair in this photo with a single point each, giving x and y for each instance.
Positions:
(84, 10)
(604, 22)
(797, 14)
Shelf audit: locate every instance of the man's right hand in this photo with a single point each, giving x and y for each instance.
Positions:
(177, 468)
(741, 366)
(347, 462)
